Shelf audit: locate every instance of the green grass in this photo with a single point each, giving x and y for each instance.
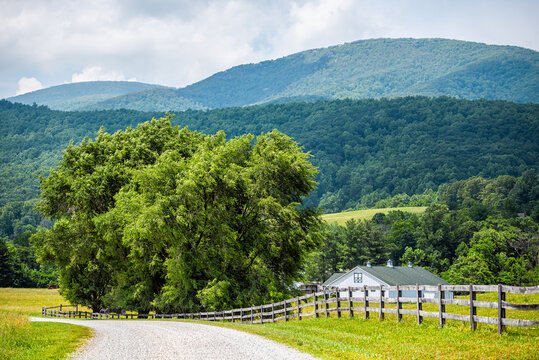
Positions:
(22, 339)
(334, 338)
(342, 217)
(330, 338)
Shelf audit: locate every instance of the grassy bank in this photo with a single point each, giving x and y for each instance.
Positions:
(342, 217)
(343, 338)
(357, 338)
(22, 339)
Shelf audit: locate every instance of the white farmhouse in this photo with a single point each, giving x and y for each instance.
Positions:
(387, 276)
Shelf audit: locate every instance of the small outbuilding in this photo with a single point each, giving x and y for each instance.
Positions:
(387, 276)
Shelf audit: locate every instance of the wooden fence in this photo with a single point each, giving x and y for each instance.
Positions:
(342, 301)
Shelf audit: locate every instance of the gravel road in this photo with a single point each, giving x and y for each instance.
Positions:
(117, 339)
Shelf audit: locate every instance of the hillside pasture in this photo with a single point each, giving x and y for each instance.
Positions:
(342, 217)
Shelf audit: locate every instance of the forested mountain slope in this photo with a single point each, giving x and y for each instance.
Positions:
(363, 69)
(366, 150)
(76, 96)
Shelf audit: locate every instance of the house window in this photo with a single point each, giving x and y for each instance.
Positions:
(358, 278)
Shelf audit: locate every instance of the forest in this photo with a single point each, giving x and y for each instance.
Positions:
(369, 153)
(476, 231)
(366, 150)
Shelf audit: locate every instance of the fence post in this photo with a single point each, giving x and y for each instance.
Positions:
(285, 312)
(241, 315)
(501, 309)
(473, 310)
(338, 303)
(441, 307)
(419, 305)
(399, 304)
(42, 311)
(252, 317)
(60, 307)
(262, 314)
(316, 314)
(365, 301)
(326, 302)
(299, 308)
(273, 312)
(350, 304)
(381, 303)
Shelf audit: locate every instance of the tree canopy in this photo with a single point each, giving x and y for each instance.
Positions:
(167, 218)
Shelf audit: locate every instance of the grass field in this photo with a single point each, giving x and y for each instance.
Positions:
(330, 338)
(357, 338)
(21, 339)
(342, 217)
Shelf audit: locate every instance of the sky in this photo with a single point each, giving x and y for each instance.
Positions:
(175, 43)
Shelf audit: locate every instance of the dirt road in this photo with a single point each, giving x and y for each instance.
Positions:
(117, 339)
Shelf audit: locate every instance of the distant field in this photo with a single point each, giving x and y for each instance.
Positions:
(342, 217)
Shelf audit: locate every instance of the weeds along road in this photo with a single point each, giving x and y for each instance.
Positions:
(121, 339)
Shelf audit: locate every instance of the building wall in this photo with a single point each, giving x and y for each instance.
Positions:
(348, 281)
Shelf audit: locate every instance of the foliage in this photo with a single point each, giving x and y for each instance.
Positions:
(18, 266)
(478, 241)
(386, 147)
(164, 217)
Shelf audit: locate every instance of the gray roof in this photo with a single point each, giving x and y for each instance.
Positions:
(403, 275)
(333, 278)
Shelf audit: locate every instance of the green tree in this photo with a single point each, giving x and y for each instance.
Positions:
(166, 218)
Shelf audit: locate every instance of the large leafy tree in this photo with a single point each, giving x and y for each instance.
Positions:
(167, 218)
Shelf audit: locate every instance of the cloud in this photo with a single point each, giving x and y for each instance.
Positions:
(96, 73)
(27, 85)
(179, 42)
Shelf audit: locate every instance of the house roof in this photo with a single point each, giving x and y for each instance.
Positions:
(332, 278)
(404, 275)
(401, 275)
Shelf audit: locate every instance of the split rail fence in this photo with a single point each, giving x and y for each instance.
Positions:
(321, 304)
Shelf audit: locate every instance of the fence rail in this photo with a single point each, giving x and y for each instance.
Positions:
(322, 303)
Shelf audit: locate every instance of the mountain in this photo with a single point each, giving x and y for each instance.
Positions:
(155, 99)
(77, 96)
(366, 150)
(362, 69)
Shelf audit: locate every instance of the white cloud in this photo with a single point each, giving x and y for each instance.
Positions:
(96, 73)
(27, 85)
(176, 43)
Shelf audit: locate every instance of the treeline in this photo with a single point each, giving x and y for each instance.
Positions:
(482, 232)
(33, 137)
(366, 150)
(369, 150)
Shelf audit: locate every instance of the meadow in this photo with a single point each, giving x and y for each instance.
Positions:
(342, 217)
(360, 338)
(327, 338)
(21, 339)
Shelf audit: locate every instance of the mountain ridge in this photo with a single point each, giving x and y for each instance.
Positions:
(76, 96)
(374, 68)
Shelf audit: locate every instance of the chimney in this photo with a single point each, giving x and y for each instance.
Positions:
(369, 264)
(410, 264)
(390, 263)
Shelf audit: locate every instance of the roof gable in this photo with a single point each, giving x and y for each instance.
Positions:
(332, 278)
